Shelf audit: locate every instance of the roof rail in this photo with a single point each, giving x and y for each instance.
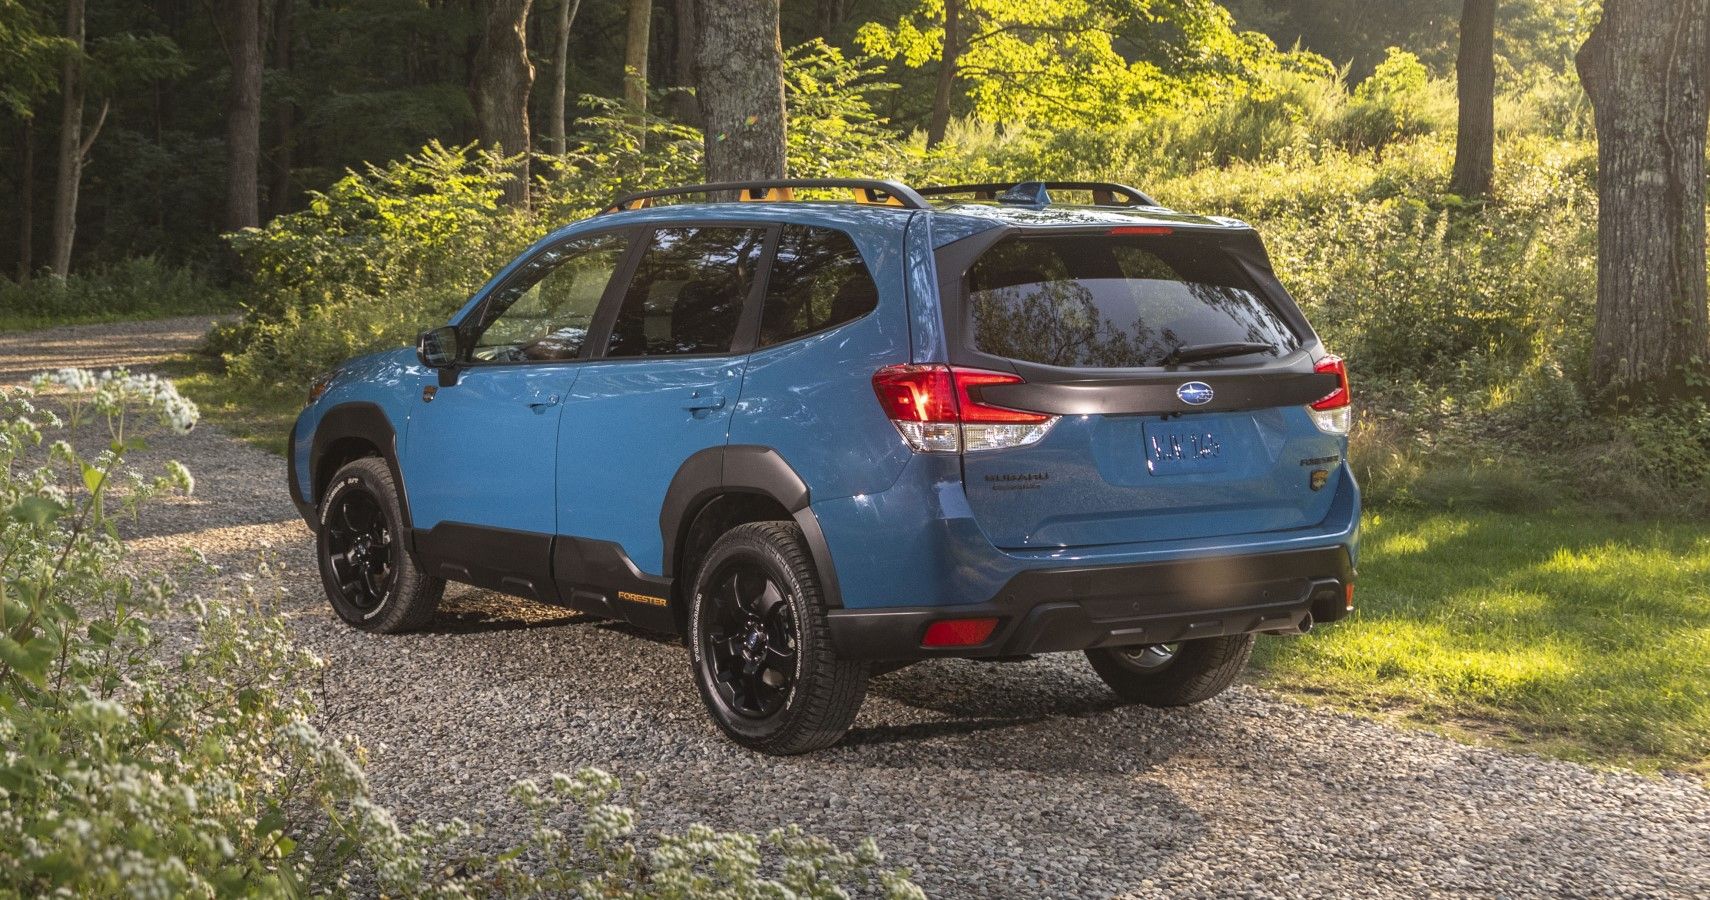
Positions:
(864, 190)
(1105, 193)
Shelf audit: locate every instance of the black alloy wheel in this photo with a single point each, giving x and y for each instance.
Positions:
(760, 644)
(359, 548)
(371, 579)
(750, 646)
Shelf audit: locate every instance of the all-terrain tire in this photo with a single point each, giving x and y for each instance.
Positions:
(1195, 672)
(403, 597)
(823, 692)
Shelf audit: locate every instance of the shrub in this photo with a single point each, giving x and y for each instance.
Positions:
(142, 286)
(158, 747)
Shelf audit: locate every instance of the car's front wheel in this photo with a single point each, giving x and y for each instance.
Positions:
(760, 646)
(1178, 674)
(370, 578)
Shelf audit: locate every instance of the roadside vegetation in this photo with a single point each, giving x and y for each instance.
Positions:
(140, 288)
(162, 745)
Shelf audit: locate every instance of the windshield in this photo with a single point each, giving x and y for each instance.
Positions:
(1096, 301)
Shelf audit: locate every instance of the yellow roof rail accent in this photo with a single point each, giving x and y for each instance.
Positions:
(767, 195)
(872, 197)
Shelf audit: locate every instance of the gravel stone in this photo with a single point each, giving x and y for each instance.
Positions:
(1003, 780)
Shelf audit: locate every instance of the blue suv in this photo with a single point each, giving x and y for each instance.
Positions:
(822, 439)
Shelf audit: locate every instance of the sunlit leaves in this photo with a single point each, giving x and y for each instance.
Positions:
(1083, 62)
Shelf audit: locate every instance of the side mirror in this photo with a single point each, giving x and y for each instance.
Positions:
(438, 347)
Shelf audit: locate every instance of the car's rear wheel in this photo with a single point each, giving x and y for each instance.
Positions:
(372, 581)
(760, 646)
(1178, 674)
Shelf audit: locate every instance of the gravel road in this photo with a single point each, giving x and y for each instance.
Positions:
(1014, 780)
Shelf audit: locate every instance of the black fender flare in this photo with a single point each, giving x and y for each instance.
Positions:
(743, 469)
(363, 421)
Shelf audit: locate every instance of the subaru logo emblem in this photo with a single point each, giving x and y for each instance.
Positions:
(1194, 393)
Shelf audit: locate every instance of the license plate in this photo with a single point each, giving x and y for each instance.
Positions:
(1183, 448)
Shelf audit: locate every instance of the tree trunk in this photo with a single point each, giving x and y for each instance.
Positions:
(1475, 88)
(70, 163)
(635, 54)
(26, 202)
(1646, 67)
(560, 76)
(284, 118)
(502, 78)
(940, 120)
(740, 69)
(683, 103)
(243, 116)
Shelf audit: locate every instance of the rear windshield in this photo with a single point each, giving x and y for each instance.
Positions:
(1094, 301)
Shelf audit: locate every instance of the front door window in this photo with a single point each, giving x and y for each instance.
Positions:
(544, 311)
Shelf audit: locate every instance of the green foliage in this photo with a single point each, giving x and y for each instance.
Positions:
(834, 128)
(141, 287)
(29, 53)
(1079, 63)
(370, 261)
(155, 746)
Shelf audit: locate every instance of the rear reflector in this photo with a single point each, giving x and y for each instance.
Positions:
(934, 410)
(1350, 596)
(958, 632)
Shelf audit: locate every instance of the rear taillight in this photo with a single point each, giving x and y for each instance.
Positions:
(934, 409)
(1333, 412)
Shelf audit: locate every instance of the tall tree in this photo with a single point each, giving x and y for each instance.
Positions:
(26, 200)
(635, 54)
(940, 119)
(285, 116)
(243, 115)
(685, 32)
(1475, 88)
(560, 76)
(30, 66)
(72, 145)
(503, 76)
(740, 72)
(1646, 67)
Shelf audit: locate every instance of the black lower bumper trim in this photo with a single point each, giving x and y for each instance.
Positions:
(1047, 610)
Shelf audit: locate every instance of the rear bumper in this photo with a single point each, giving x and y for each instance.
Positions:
(1047, 610)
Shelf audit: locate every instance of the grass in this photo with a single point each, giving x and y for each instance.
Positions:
(1580, 636)
(259, 417)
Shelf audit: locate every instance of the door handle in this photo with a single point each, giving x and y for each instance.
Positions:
(699, 400)
(542, 401)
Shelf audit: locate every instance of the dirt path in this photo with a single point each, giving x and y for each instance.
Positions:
(1019, 780)
(107, 346)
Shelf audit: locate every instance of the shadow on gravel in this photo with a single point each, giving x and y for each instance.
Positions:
(477, 622)
(893, 734)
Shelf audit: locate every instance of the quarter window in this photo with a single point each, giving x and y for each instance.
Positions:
(687, 293)
(818, 281)
(544, 311)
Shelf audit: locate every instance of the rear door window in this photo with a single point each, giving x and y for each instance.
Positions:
(687, 293)
(818, 281)
(1097, 301)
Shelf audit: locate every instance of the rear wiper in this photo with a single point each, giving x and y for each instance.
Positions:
(1203, 352)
